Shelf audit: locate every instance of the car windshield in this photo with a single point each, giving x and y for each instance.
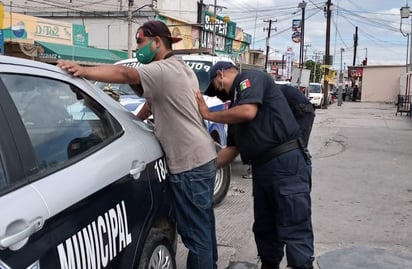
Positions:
(314, 88)
(201, 69)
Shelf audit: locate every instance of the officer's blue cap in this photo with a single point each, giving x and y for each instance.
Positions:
(221, 65)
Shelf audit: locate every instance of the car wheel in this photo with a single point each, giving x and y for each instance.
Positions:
(157, 252)
(222, 181)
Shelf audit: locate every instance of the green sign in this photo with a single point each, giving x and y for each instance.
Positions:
(80, 37)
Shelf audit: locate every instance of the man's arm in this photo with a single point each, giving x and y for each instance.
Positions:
(144, 112)
(226, 155)
(236, 114)
(103, 73)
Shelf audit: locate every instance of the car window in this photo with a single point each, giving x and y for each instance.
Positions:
(61, 120)
(315, 88)
(3, 182)
(201, 69)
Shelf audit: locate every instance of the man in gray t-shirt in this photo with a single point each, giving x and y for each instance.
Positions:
(169, 86)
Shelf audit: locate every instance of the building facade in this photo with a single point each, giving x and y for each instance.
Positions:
(108, 24)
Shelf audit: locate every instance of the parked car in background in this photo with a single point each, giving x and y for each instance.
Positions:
(201, 65)
(316, 94)
(82, 182)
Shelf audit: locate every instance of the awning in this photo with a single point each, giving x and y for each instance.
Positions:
(51, 52)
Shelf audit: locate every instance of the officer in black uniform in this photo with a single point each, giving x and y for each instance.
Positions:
(263, 130)
(302, 109)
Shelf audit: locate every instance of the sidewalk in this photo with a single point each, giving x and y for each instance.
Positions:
(362, 190)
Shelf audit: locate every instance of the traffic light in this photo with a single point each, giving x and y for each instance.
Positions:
(365, 62)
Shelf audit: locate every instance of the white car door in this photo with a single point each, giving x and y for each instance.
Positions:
(79, 205)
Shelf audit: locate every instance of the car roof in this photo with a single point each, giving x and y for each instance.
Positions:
(205, 57)
(188, 57)
(29, 63)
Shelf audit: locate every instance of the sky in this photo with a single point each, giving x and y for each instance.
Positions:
(378, 22)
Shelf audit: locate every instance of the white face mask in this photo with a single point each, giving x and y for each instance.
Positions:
(221, 93)
(222, 83)
(221, 88)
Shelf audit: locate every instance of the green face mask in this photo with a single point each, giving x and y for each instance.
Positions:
(145, 55)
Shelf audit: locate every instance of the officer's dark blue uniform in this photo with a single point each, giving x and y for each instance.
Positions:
(302, 108)
(280, 169)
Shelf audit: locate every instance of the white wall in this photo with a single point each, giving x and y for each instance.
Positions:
(182, 9)
(381, 83)
(109, 33)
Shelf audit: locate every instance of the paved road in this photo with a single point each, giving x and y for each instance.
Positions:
(362, 193)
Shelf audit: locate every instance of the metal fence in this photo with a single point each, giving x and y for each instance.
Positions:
(403, 105)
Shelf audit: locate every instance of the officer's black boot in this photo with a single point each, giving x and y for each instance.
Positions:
(268, 265)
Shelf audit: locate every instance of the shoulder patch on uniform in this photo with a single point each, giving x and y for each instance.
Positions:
(243, 85)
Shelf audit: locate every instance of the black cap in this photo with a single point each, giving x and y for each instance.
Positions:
(221, 65)
(156, 28)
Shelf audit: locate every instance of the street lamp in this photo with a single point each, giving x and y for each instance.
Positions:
(129, 25)
(405, 15)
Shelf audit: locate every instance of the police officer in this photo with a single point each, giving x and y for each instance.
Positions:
(302, 109)
(263, 130)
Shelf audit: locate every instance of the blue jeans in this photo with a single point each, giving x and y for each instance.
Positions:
(192, 193)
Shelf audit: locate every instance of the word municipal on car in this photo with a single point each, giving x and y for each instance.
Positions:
(98, 243)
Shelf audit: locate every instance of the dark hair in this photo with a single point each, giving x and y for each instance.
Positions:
(167, 42)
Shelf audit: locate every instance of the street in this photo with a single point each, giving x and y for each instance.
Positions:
(361, 196)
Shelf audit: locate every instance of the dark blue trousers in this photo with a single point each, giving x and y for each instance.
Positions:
(282, 210)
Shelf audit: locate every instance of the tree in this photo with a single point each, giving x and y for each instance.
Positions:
(316, 72)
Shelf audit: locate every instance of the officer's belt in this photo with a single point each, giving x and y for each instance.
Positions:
(276, 151)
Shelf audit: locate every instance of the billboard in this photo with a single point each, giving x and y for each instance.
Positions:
(355, 72)
(296, 30)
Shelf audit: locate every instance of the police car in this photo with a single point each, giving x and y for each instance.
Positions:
(201, 65)
(82, 182)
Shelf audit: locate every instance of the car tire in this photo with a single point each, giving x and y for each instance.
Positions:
(222, 181)
(157, 252)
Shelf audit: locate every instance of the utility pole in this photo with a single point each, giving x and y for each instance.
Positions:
(129, 29)
(302, 5)
(340, 79)
(214, 29)
(213, 21)
(327, 54)
(306, 51)
(355, 45)
(269, 29)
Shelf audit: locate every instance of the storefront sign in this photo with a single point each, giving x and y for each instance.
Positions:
(219, 25)
(355, 72)
(53, 31)
(19, 26)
